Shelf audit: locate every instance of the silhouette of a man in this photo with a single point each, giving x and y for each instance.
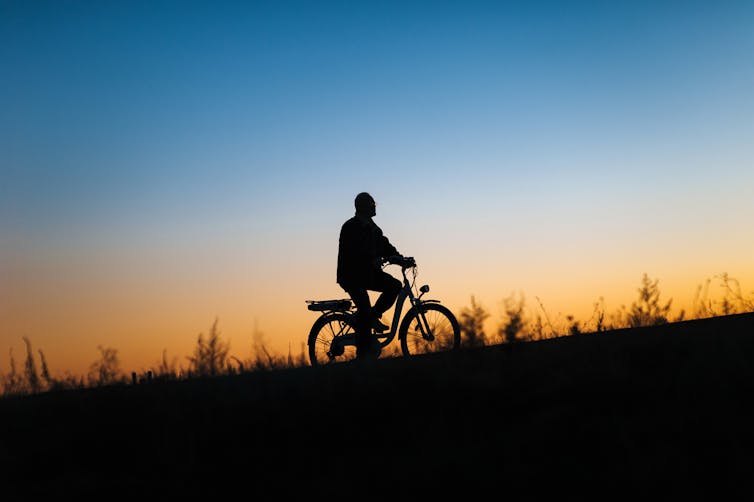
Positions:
(361, 251)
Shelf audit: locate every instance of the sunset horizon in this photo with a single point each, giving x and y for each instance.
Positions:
(282, 337)
(166, 165)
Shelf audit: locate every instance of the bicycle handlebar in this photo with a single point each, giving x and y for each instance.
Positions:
(403, 261)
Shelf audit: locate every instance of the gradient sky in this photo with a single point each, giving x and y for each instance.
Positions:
(163, 164)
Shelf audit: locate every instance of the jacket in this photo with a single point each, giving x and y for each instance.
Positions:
(361, 246)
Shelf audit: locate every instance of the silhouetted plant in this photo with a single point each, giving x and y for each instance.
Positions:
(30, 369)
(263, 359)
(68, 381)
(702, 305)
(512, 326)
(540, 327)
(12, 383)
(537, 329)
(106, 370)
(573, 325)
(210, 355)
(736, 302)
(648, 311)
(596, 323)
(471, 321)
(303, 357)
(45, 370)
(732, 302)
(290, 356)
(240, 363)
(600, 319)
(300, 360)
(167, 370)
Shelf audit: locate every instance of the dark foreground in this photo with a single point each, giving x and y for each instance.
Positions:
(664, 411)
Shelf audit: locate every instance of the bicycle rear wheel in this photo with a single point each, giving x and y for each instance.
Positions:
(441, 331)
(331, 339)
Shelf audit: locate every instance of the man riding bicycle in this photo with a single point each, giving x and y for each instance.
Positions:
(362, 249)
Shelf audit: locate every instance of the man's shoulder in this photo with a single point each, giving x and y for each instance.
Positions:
(349, 226)
(356, 222)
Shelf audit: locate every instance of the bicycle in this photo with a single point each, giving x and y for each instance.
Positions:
(428, 326)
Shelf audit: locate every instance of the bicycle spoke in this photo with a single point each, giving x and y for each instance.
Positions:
(432, 330)
(327, 340)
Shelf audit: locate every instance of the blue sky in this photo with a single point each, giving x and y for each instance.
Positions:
(193, 134)
(128, 99)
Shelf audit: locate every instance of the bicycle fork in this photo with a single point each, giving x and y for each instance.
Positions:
(418, 303)
(424, 327)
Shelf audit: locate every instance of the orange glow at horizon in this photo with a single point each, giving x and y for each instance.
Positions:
(67, 315)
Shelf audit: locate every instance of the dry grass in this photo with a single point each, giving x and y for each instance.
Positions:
(212, 355)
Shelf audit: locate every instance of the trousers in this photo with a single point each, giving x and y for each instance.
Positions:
(366, 313)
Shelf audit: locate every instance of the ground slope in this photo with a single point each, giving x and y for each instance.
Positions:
(651, 411)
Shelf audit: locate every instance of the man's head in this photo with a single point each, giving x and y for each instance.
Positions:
(365, 205)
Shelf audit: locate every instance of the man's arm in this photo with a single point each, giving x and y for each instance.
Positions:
(384, 247)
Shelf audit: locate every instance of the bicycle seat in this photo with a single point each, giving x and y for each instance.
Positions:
(323, 305)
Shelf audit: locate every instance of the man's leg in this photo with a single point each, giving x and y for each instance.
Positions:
(389, 287)
(363, 318)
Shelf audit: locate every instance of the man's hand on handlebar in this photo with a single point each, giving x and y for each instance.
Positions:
(403, 261)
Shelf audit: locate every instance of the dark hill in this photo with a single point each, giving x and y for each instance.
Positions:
(659, 411)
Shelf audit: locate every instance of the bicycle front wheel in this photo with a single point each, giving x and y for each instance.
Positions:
(331, 339)
(427, 328)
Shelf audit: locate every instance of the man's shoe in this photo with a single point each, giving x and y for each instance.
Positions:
(379, 326)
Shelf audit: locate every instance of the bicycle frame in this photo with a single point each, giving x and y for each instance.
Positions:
(407, 292)
(342, 340)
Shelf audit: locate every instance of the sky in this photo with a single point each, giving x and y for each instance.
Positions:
(167, 164)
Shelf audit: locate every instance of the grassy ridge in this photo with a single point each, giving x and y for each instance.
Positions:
(655, 410)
